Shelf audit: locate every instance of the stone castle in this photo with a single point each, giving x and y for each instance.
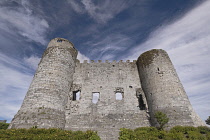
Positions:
(103, 96)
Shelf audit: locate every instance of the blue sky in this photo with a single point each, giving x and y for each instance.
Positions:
(104, 30)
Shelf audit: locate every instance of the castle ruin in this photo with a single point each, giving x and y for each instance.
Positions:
(103, 96)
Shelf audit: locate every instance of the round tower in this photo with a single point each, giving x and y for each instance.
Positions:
(45, 101)
(164, 91)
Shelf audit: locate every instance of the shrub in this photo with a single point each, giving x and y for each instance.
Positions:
(126, 134)
(162, 134)
(208, 121)
(193, 135)
(208, 136)
(175, 136)
(147, 129)
(176, 133)
(162, 119)
(203, 129)
(146, 133)
(4, 125)
(183, 129)
(47, 134)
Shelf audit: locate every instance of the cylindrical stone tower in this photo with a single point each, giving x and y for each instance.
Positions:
(45, 101)
(164, 91)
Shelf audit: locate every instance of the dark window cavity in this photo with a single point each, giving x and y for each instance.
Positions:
(142, 106)
(76, 95)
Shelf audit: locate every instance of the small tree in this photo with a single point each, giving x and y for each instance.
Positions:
(4, 125)
(208, 121)
(162, 119)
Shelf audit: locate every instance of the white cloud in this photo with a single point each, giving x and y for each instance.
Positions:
(13, 86)
(76, 6)
(101, 12)
(22, 21)
(187, 41)
(82, 57)
(105, 10)
(32, 61)
(108, 47)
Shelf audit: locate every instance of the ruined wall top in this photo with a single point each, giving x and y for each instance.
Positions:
(147, 57)
(106, 61)
(60, 42)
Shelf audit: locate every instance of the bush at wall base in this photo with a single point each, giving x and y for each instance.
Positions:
(47, 134)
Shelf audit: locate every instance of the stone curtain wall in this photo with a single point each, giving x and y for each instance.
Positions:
(44, 104)
(164, 91)
(108, 115)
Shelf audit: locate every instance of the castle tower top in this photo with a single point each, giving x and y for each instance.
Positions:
(60, 42)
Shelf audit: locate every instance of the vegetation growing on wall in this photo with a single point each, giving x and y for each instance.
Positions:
(176, 133)
(162, 119)
(147, 57)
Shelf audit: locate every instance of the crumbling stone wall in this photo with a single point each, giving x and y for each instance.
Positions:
(45, 101)
(108, 115)
(164, 91)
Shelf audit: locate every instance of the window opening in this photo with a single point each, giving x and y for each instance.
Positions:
(118, 96)
(76, 95)
(130, 87)
(142, 106)
(95, 98)
(59, 40)
(158, 69)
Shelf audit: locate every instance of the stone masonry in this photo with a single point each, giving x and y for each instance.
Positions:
(103, 96)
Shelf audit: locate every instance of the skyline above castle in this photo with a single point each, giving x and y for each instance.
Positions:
(109, 30)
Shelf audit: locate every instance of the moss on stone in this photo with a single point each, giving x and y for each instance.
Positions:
(42, 113)
(147, 58)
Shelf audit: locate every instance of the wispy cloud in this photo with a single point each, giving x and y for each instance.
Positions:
(187, 41)
(32, 61)
(76, 6)
(14, 83)
(21, 20)
(108, 47)
(101, 11)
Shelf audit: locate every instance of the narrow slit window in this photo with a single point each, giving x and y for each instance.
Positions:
(76, 95)
(118, 96)
(95, 98)
(142, 105)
